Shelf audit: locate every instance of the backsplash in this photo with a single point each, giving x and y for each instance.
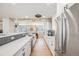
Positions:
(7, 39)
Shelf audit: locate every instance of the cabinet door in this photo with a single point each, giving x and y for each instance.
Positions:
(21, 52)
(25, 50)
(28, 49)
(51, 42)
(34, 41)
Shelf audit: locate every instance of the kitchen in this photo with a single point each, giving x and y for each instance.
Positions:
(39, 29)
(19, 28)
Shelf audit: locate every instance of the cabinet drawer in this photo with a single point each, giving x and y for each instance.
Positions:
(28, 49)
(20, 52)
(25, 50)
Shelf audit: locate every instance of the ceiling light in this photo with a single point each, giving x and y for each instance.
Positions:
(43, 16)
(38, 15)
(26, 16)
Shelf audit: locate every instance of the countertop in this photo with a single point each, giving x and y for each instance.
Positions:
(11, 48)
(9, 34)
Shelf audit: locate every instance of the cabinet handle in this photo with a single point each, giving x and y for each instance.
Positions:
(23, 49)
(23, 54)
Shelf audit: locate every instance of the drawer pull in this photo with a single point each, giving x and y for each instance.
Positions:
(23, 54)
(23, 49)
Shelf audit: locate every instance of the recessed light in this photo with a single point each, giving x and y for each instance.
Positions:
(38, 15)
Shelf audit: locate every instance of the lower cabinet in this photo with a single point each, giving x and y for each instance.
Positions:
(25, 50)
(33, 42)
(28, 49)
(51, 43)
(21, 52)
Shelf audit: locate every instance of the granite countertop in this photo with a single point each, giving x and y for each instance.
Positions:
(9, 34)
(11, 48)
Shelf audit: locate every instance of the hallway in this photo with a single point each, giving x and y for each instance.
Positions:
(41, 49)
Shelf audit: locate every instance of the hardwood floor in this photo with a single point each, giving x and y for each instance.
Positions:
(41, 49)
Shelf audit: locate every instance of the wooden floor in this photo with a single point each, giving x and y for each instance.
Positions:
(41, 49)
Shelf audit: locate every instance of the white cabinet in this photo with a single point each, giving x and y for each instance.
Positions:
(28, 49)
(51, 43)
(25, 50)
(33, 42)
(21, 52)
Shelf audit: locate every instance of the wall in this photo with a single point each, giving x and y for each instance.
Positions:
(47, 25)
(5, 25)
(11, 26)
(1, 25)
(60, 8)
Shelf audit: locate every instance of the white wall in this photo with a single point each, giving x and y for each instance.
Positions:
(60, 8)
(5, 25)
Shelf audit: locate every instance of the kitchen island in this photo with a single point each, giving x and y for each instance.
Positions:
(20, 47)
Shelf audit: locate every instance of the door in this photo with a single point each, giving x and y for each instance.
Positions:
(60, 41)
(72, 15)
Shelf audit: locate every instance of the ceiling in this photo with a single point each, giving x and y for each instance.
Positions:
(27, 9)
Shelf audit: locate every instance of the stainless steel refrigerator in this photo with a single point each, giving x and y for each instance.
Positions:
(67, 35)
